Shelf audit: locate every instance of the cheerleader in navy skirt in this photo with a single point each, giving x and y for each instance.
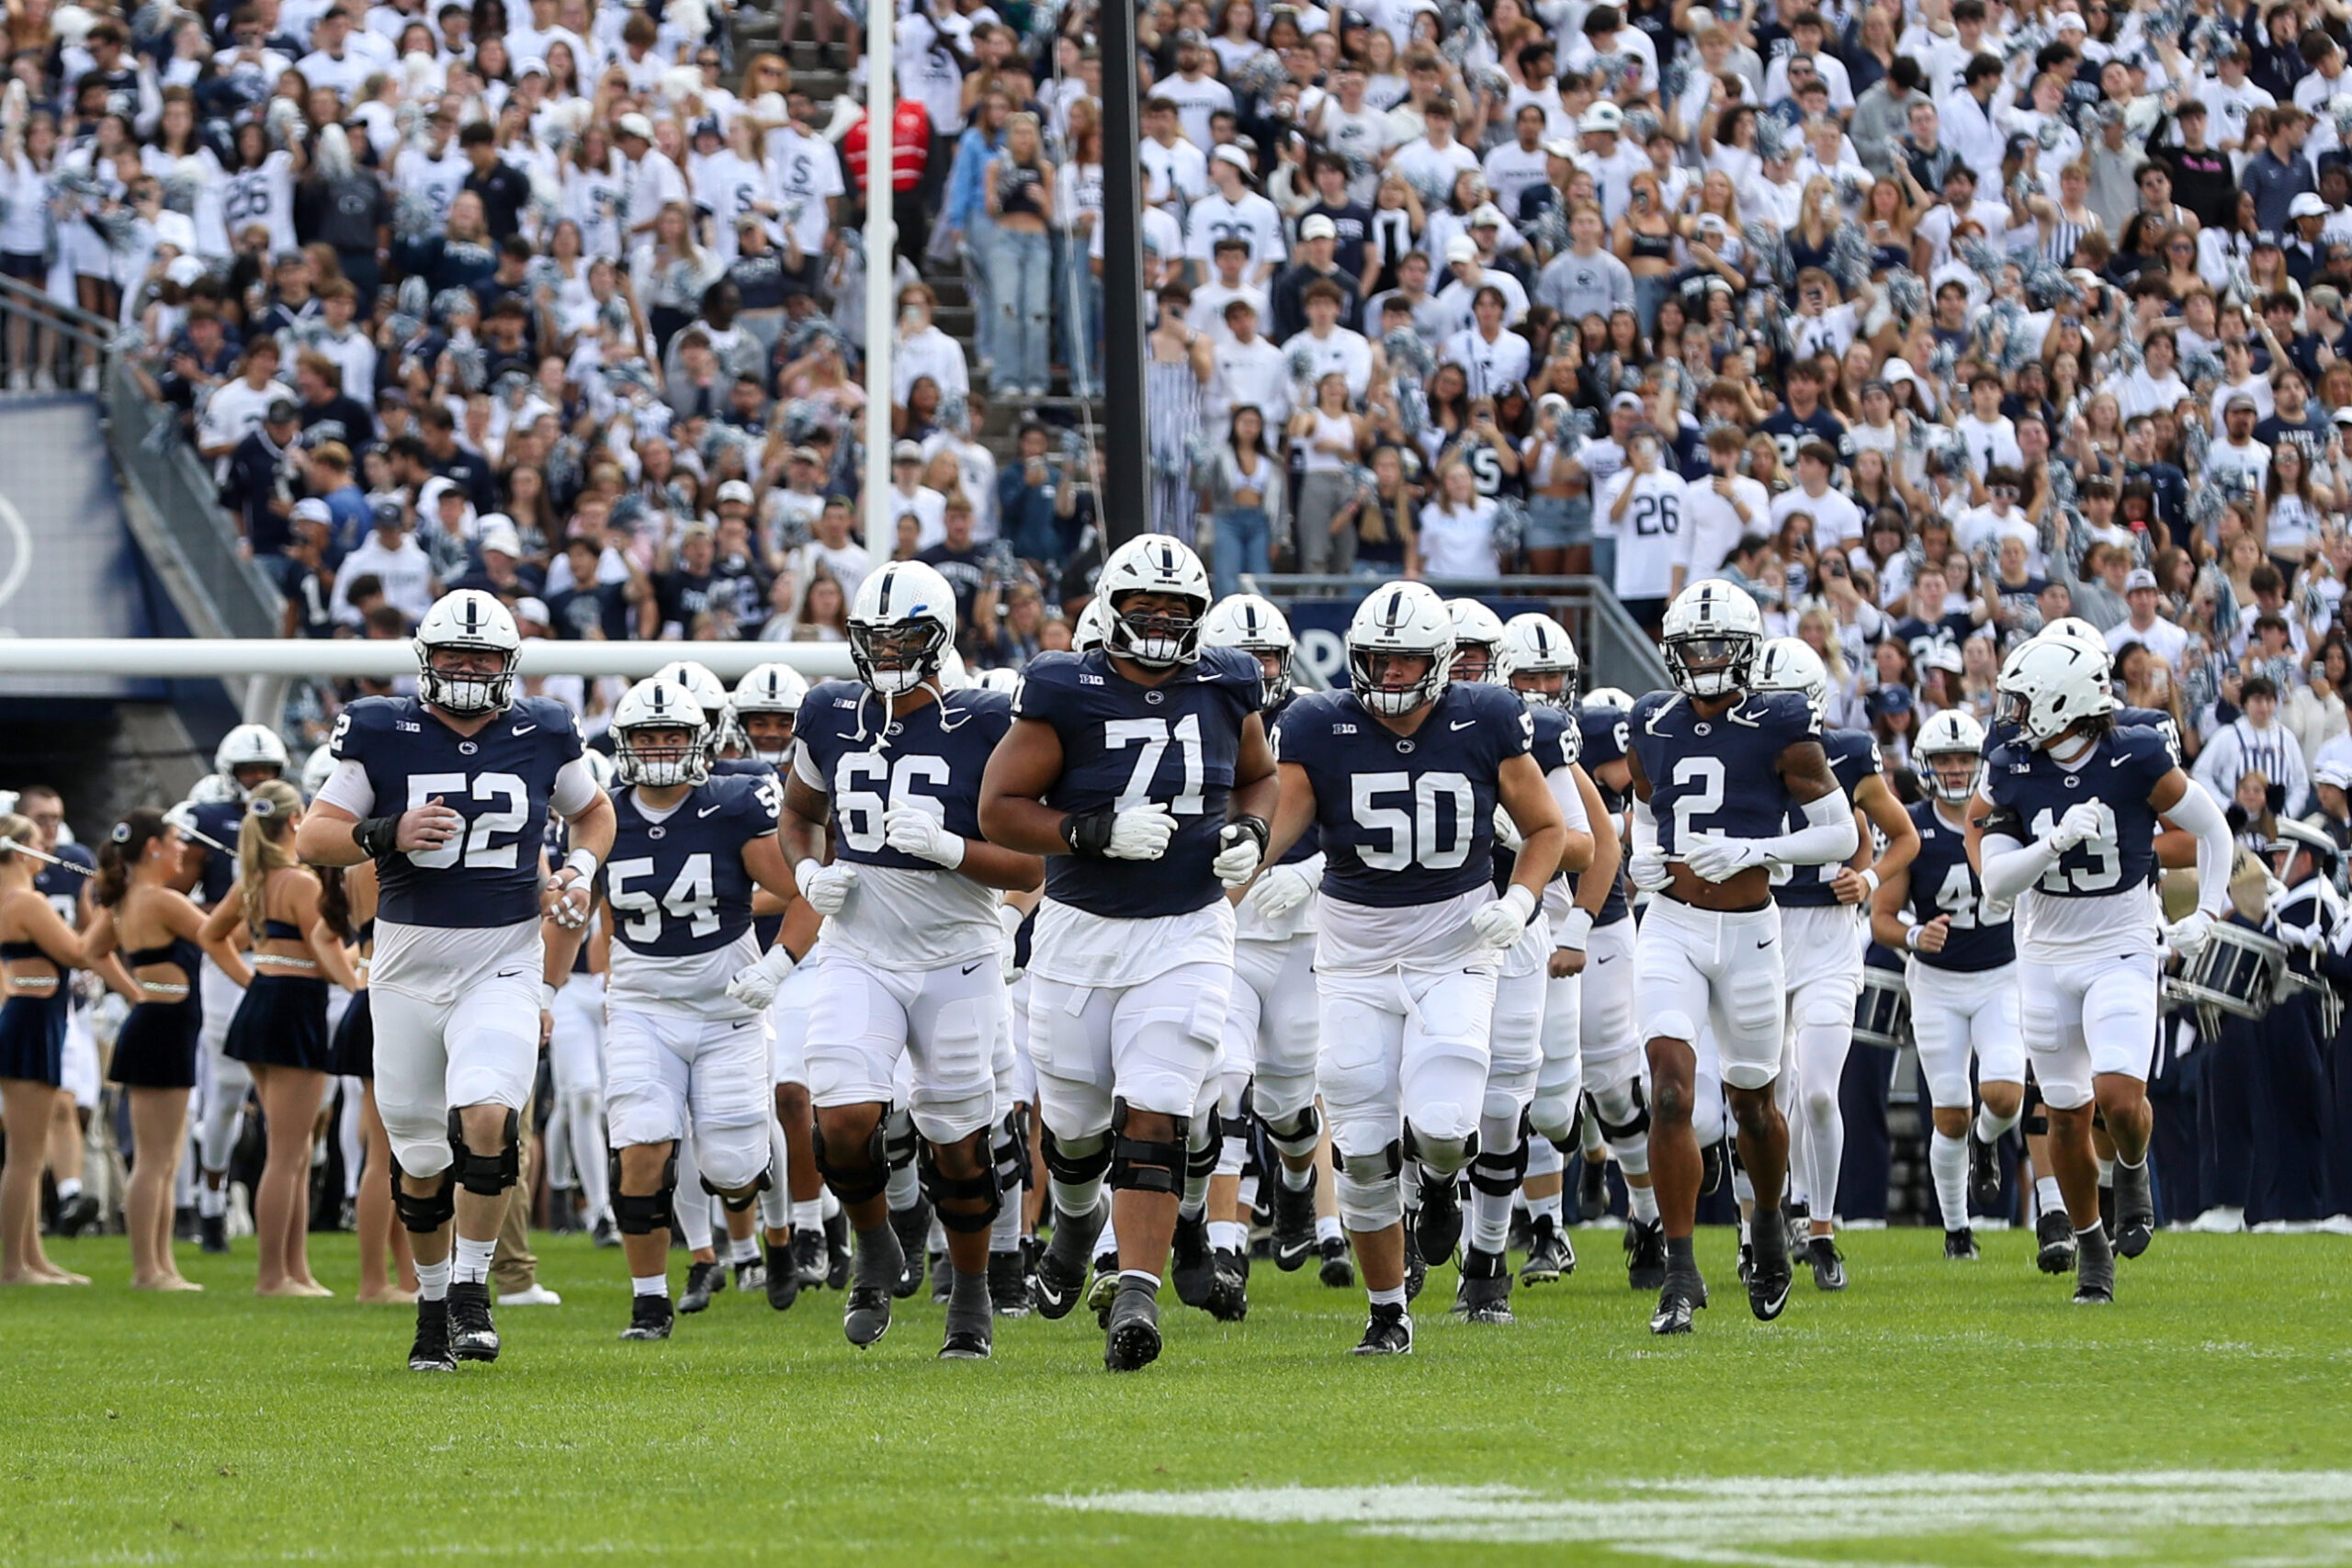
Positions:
(37, 950)
(154, 927)
(280, 1027)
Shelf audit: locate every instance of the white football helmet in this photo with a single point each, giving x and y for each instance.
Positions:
(472, 620)
(2050, 684)
(769, 689)
(904, 619)
(657, 704)
(1406, 618)
(1789, 664)
(1951, 733)
(1092, 628)
(317, 768)
(1710, 635)
(1003, 678)
(1615, 698)
(1477, 636)
(1253, 624)
(249, 746)
(953, 675)
(709, 693)
(1534, 644)
(1154, 563)
(2077, 632)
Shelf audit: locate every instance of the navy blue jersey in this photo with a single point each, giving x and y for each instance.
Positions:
(740, 767)
(1125, 744)
(1554, 746)
(1853, 757)
(678, 886)
(1605, 737)
(1310, 843)
(498, 780)
(1406, 819)
(61, 888)
(2123, 769)
(1943, 882)
(1720, 774)
(217, 819)
(936, 753)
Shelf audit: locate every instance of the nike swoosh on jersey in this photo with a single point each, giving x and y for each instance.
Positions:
(1462, 725)
(522, 730)
(969, 967)
(708, 810)
(747, 1024)
(1765, 943)
(2117, 761)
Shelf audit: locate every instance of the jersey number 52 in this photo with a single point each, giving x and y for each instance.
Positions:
(476, 843)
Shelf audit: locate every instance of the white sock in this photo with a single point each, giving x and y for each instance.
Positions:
(1229, 1236)
(1394, 1298)
(472, 1261)
(1077, 1197)
(1004, 1231)
(744, 1251)
(1489, 1220)
(1246, 1190)
(432, 1280)
(1947, 1163)
(68, 1189)
(1296, 1180)
(211, 1202)
(648, 1284)
(1544, 1207)
(1149, 1281)
(1990, 1127)
(1643, 1201)
(829, 1206)
(1326, 1226)
(2107, 1173)
(935, 1238)
(905, 1187)
(2046, 1196)
(807, 1213)
(2126, 1164)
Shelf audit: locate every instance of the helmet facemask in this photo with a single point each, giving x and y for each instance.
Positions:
(466, 696)
(663, 766)
(1156, 640)
(1953, 787)
(1711, 666)
(1394, 702)
(765, 746)
(896, 656)
(1474, 662)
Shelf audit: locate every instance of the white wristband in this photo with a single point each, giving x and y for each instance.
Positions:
(547, 996)
(1911, 938)
(806, 873)
(583, 862)
(1870, 874)
(1576, 930)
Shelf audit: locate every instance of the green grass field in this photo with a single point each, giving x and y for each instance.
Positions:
(1933, 1415)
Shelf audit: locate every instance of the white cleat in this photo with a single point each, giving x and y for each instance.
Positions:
(537, 1297)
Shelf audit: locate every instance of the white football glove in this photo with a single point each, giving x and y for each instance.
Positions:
(2189, 935)
(1647, 868)
(573, 900)
(826, 886)
(1575, 929)
(1008, 920)
(1141, 832)
(1238, 850)
(1499, 921)
(1506, 833)
(1715, 858)
(2083, 821)
(1281, 890)
(754, 985)
(911, 831)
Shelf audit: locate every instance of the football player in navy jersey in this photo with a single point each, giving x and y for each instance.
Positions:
(1270, 1038)
(1141, 769)
(209, 820)
(1402, 775)
(1824, 911)
(2070, 837)
(766, 703)
(1719, 770)
(1961, 975)
(447, 792)
(685, 1052)
(1477, 639)
(1536, 660)
(892, 763)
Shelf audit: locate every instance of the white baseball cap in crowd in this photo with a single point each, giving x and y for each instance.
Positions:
(1229, 153)
(2067, 19)
(1461, 248)
(1319, 227)
(312, 510)
(735, 489)
(2139, 578)
(532, 611)
(1486, 215)
(635, 125)
(2307, 205)
(501, 536)
(1603, 117)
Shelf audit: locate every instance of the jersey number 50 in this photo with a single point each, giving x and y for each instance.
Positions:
(1414, 837)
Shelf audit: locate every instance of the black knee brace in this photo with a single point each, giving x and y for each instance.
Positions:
(487, 1176)
(736, 1205)
(1141, 1164)
(942, 1188)
(1498, 1174)
(1638, 1123)
(1074, 1168)
(1202, 1162)
(2033, 1119)
(899, 1139)
(852, 1184)
(1303, 1129)
(423, 1216)
(642, 1214)
(1011, 1150)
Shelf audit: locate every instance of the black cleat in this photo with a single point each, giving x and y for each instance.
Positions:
(1191, 1262)
(1294, 1224)
(1592, 1189)
(1960, 1245)
(79, 1213)
(1230, 1292)
(1549, 1256)
(1009, 1284)
(1770, 1277)
(212, 1233)
(837, 1252)
(1484, 1293)
(2135, 1209)
(431, 1353)
(1712, 1165)
(809, 1257)
(1747, 1260)
(605, 1234)
(2106, 1206)
(912, 1227)
(472, 1335)
(1338, 1270)
(1645, 1254)
(1437, 1229)
(2056, 1236)
(751, 1274)
(649, 1317)
(783, 1280)
(2094, 1270)
(866, 1317)
(1389, 1332)
(1828, 1263)
(1061, 1268)
(1131, 1338)
(1416, 1274)
(704, 1280)
(1796, 1223)
(967, 1342)
(1983, 1175)
(1677, 1299)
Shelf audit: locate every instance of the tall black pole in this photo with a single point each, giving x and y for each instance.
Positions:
(1127, 452)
